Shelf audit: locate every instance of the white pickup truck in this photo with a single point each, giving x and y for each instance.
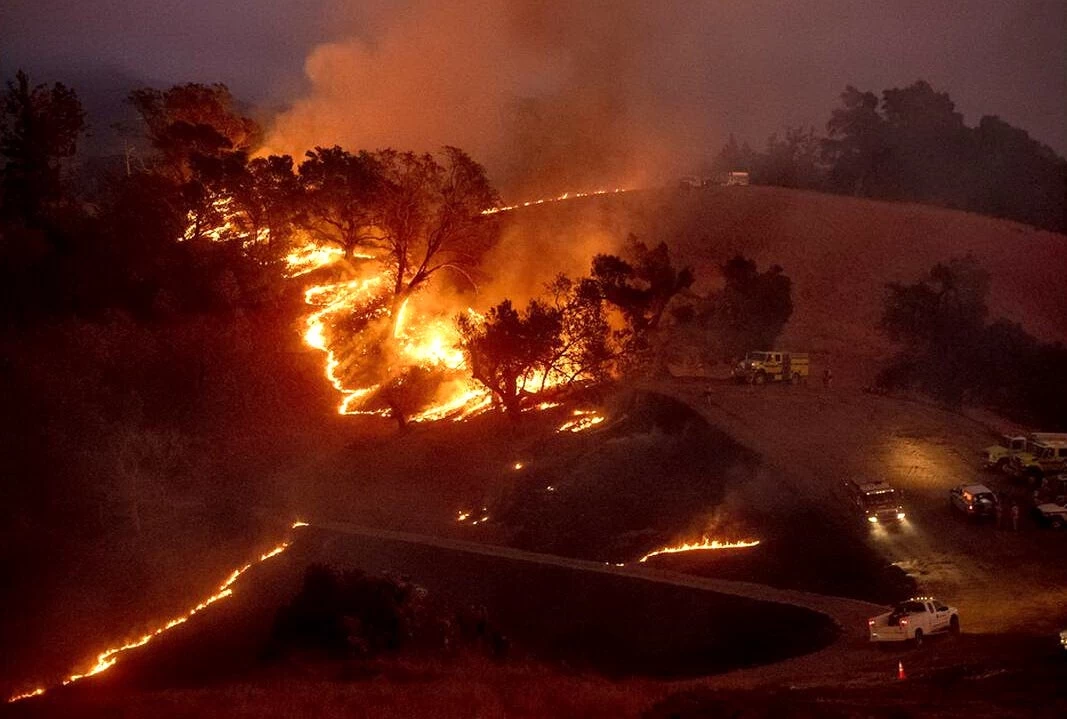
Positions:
(914, 619)
(1052, 514)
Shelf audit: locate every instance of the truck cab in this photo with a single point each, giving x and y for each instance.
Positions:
(999, 454)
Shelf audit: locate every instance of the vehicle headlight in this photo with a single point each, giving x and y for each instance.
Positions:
(873, 519)
(900, 515)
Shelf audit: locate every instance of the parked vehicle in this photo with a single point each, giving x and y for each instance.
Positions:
(1053, 515)
(737, 179)
(878, 501)
(1043, 456)
(999, 454)
(773, 366)
(914, 620)
(974, 500)
(1052, 489)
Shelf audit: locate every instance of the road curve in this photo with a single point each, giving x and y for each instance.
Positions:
(850, 615)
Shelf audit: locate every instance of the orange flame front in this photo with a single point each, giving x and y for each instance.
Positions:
(424, 341)
(581, 420)
(704, 544)
(548, 200)
(107, 658)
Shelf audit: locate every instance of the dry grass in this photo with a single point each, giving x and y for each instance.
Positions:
(471, 688)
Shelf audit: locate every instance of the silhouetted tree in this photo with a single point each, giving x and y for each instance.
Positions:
(505, 350)
(585, 350)
(914, 145)
(428, 214)
(792, 161)
(749, 312)
(340, 196)
(857, 144)
(39, 129)
(192, 120)
(641, 286)
(950, 352)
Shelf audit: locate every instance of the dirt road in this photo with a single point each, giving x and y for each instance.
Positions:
(812, 438)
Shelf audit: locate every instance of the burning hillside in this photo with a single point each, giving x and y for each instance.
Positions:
(412, 333)
(109, 657)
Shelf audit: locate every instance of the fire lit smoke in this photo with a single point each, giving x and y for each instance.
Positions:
(109, 657)
(549, 94)
(705, 544)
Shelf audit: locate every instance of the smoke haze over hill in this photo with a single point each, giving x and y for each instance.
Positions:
(558, 95)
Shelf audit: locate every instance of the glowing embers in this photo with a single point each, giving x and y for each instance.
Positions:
(547, 200)
(705, 544)
(581, 419)
(229, 225)
(470, 516)
(107, 658)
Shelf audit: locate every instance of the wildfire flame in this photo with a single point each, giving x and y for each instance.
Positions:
(547, 200)
(582, 420)
(108, 658)
(704, 544)
(425, 341)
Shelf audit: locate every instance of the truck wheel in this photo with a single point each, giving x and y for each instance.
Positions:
(1056, 523)
(918, 639)
(954, 626)
(796, 378)
(760, 378)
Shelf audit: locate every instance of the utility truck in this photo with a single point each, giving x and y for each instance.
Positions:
(878, 501)
(999, 454)
(914, 620)
(773, 366)
(1008, 446)
(1043, 456)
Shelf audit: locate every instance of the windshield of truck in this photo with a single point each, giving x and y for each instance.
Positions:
(882, 498)
(757, 356)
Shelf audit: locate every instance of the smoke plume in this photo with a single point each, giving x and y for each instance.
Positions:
(550, 95)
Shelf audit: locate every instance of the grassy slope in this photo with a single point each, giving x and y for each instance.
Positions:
(839, 251)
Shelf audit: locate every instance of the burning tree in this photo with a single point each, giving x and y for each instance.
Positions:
(428, 216)
(506, 351)
(339, 195)
(192, 120)
(585, 351)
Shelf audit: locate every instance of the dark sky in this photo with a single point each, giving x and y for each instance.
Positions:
(714, 67)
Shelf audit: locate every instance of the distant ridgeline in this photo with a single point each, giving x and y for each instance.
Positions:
(912, 145)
